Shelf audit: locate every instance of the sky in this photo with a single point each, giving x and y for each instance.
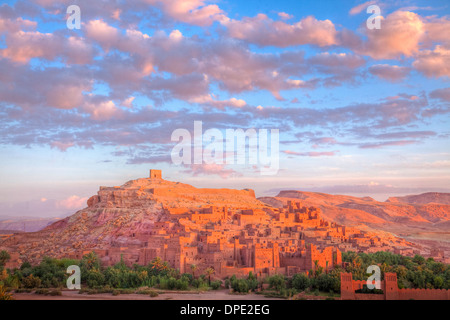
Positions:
(360, 111)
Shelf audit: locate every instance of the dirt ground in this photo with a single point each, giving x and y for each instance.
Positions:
(210, 295)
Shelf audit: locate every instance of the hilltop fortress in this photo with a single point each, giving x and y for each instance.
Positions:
(228, 230)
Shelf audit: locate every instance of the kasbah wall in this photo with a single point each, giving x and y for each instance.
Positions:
(390, 290)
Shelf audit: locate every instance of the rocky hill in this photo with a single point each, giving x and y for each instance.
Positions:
(425, 198)
(117, 213)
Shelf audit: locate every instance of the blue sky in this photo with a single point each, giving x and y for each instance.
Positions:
(357, 109)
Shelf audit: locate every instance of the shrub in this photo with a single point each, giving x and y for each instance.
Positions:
(43, 291)
(300, 281)
(277, 282)
(153, 294)
(31, 282)
(199, 283)
(116, 292)
(240, 285)
(55, 292)
(95, 279)
(188, 277)
(326, 283)
(144, 291)
(215, 285)
(4, 257)
(25, 265)
(367, 290)
(5, 295)
(127, 291)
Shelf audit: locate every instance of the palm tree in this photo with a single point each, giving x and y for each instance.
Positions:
(158, 264)
(4, 257)
(193, 268)
(316, 264)
(91, 261)
(4, 295)
(209, 271)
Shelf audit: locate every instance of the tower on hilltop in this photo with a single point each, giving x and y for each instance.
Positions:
(155, 174)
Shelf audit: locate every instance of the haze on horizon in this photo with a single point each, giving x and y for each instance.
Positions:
(360, 112)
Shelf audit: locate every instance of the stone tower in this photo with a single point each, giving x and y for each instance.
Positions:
(155, 174)
(391, 286)
(347, 289)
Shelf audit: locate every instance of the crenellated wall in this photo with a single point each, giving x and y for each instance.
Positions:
(390, 289)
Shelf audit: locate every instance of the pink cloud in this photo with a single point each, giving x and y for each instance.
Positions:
(72, 203)
(359, 8)
(15, 25)
(62, 88)
(442, 94)
(78, 51)
(102, 110)
(103, 33)
(211, 169)
(405, 134)
(324, 140)
(400, 34)
(389, 72)
(285, 16)
(25, 45)
(65, 96)
(196, 12)
(62, 146)
(386, 144)
(437, 29)
(220, 104)
(434, 63)
(310, 154)
(335, 60)
(264, 31)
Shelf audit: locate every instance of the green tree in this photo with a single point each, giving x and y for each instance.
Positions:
(31, 282)
(159, 267)
(90, 261)
(438, 282)
(95, 279)
(300, 281)
(252, 281)
(419, 259)
(25, 265)
(193, 268)
(240, 285)
(4, 258)
(4, 295)
(208, 272)
(277, 282)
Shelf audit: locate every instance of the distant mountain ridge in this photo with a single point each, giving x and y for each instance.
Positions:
(424, 198)
(27, 224)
